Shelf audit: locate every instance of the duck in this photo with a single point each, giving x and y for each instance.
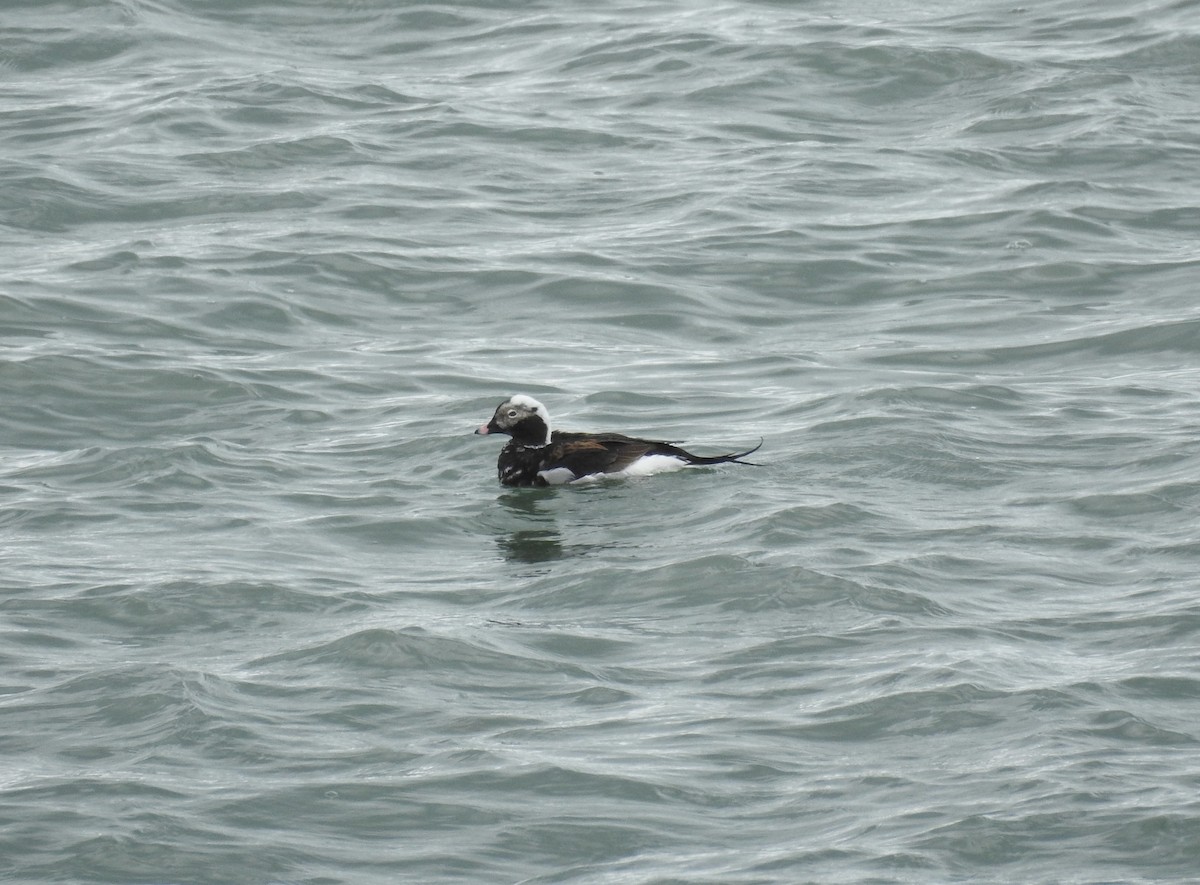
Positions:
(537, 455)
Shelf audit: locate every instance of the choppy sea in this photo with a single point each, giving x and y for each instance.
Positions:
(266, 615)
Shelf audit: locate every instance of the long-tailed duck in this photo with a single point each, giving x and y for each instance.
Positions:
(538, 456)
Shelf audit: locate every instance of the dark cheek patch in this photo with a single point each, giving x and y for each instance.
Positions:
(530, 429)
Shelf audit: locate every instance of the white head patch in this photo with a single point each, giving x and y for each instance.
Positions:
(528, 402)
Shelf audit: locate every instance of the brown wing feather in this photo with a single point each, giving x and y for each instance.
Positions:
(584, 454)
(624, 454)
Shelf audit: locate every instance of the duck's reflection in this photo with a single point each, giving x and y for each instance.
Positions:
(529, 533)
(531, 545)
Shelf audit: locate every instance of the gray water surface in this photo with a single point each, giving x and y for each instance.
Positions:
(266, 615)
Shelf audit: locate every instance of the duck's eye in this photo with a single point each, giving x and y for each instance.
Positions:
(512, 413)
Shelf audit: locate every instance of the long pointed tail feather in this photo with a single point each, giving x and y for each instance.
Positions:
(731, 458)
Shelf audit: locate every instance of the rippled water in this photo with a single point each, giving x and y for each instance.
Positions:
(266, 615)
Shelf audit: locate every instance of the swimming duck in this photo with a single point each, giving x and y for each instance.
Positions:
(536, 455)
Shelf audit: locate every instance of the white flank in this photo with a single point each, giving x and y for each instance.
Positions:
(556, 476)
(648, 465)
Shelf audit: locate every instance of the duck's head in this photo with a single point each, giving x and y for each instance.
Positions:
(523, 418)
